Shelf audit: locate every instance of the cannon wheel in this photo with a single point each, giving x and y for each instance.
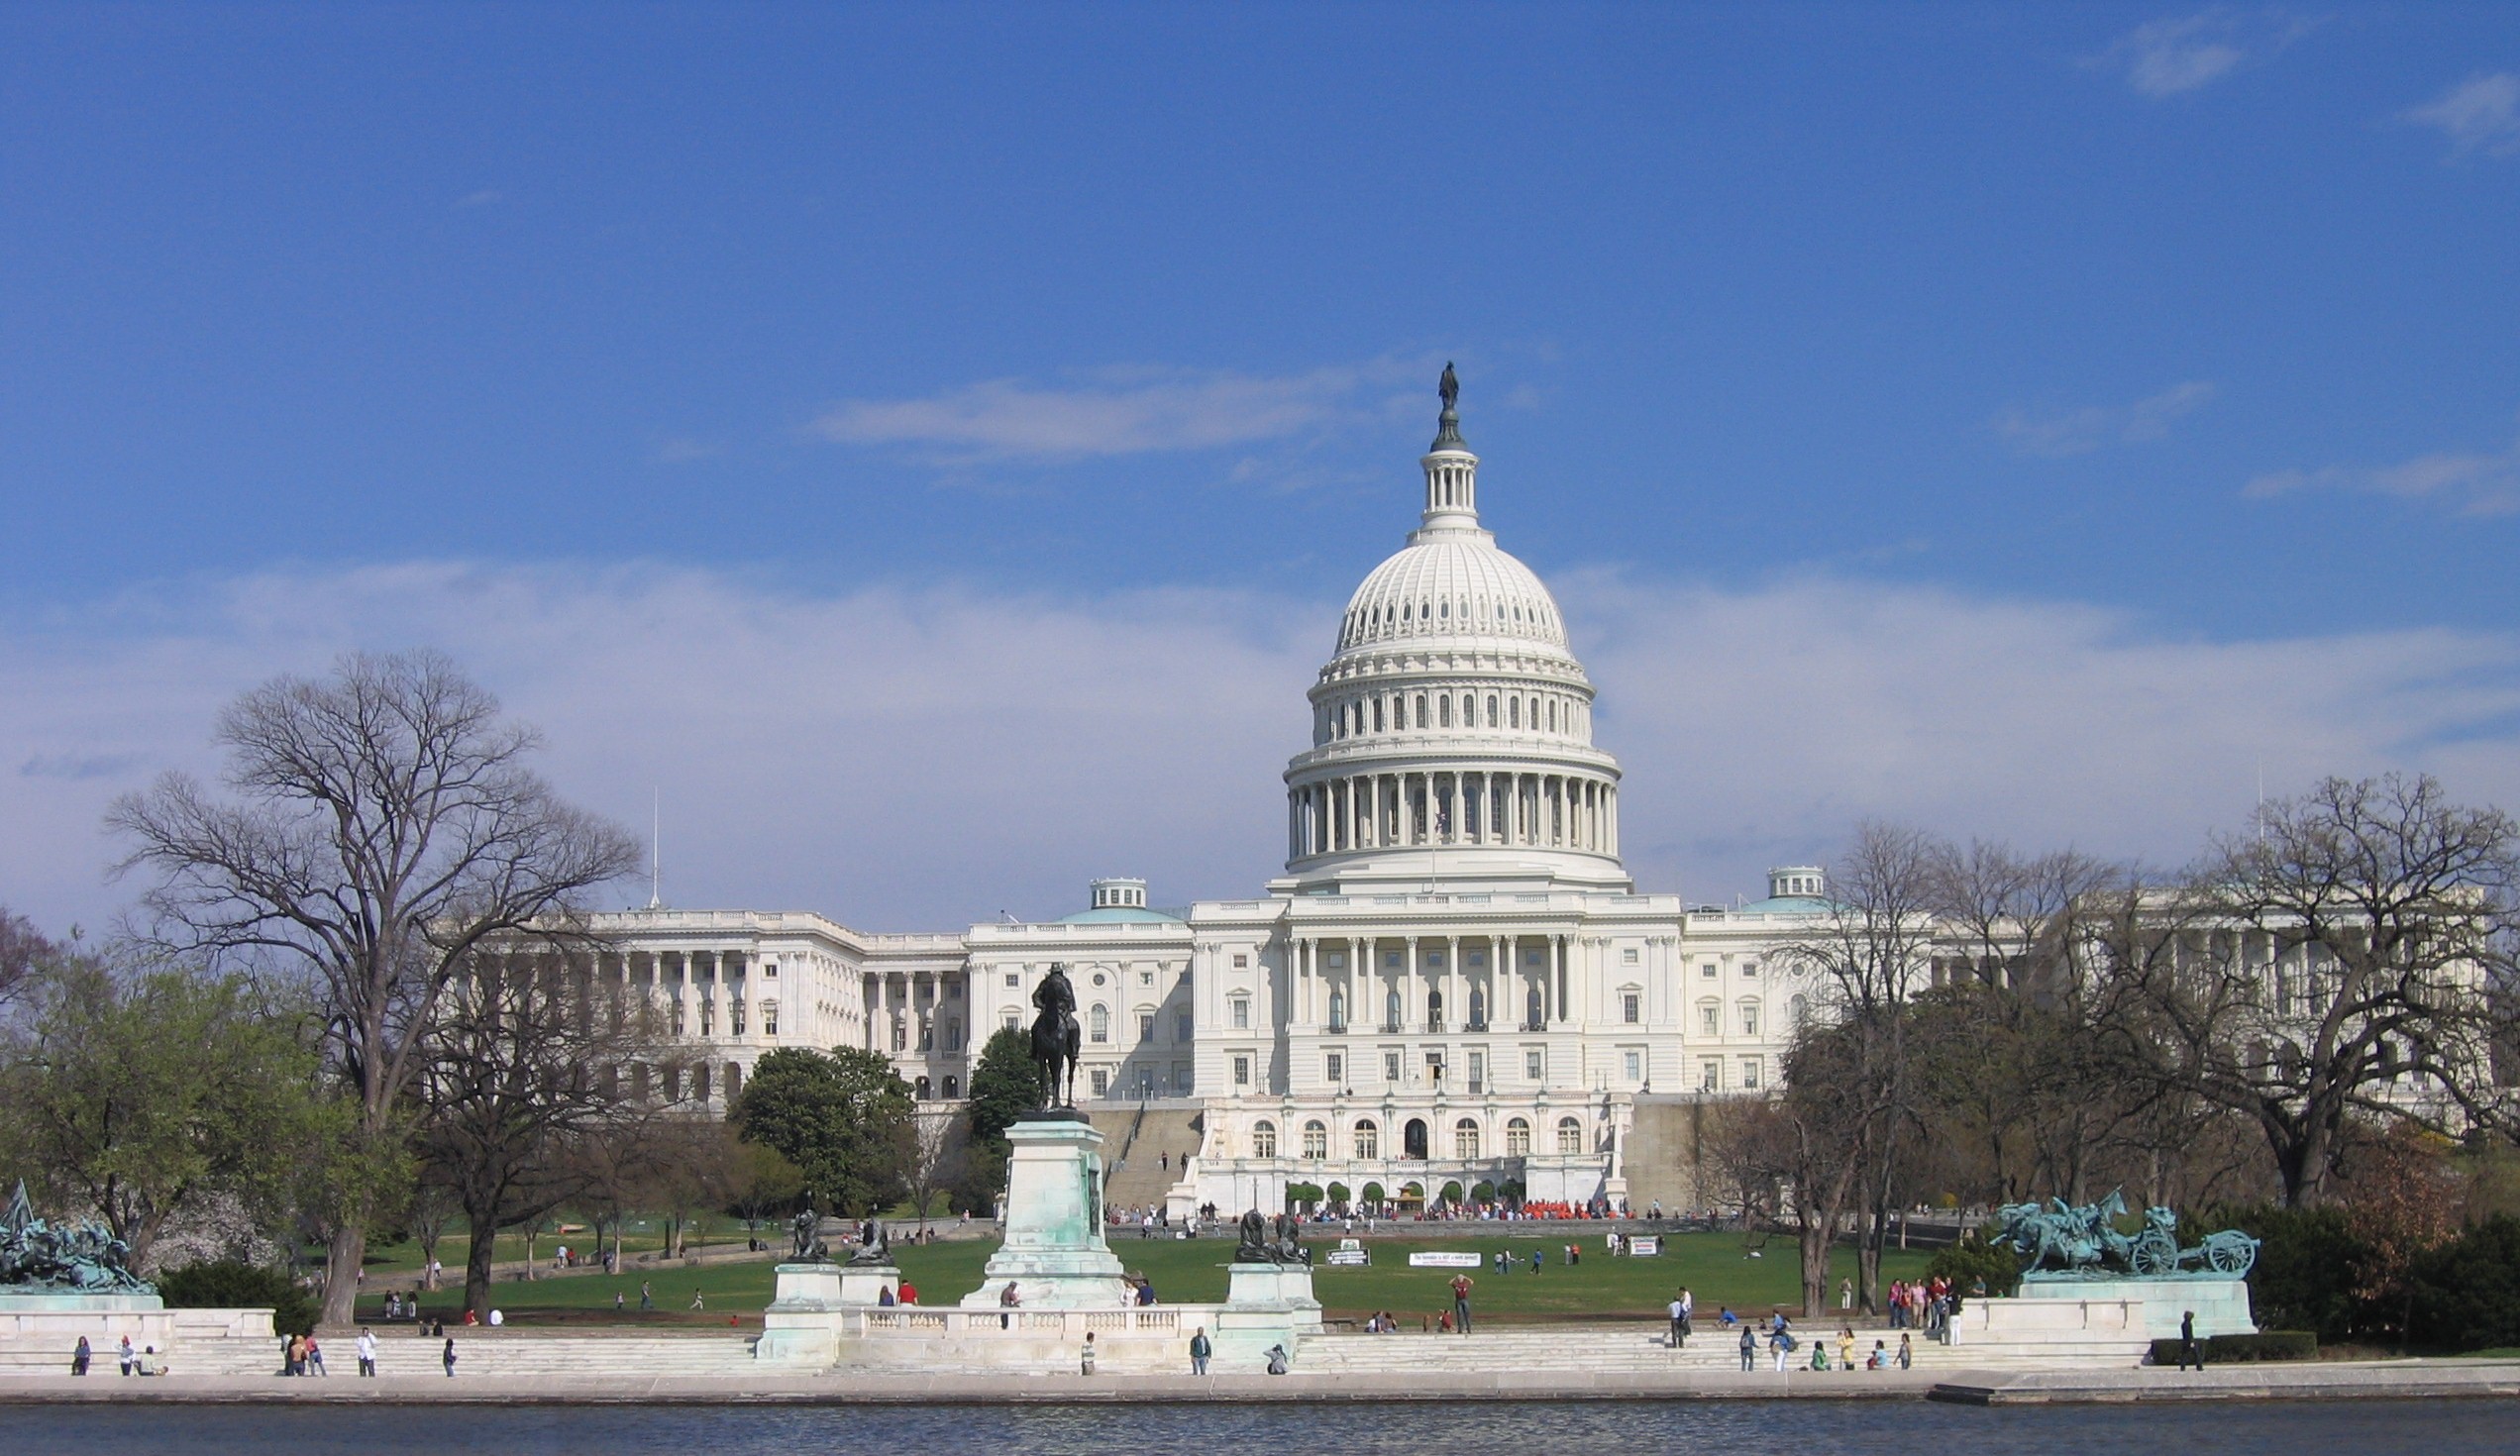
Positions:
(2229, 1256)
(2154, 1252)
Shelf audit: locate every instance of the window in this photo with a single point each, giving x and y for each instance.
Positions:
(700, 1083)
(1799, 1009)
(1369, 1140)
(1706, 970)
(769, 971)
(1242, 1072)
(1750, 969)
(1391, 960)
(1339, 1009)
(1145, 1027)
(1465, 1138)
(1534, 1065)
(1531, 955)
(1478, 1009)
(1517, 1138)
(1633, 1064)
(953, 1088)
(1102, 1080)
(1570, 1135)
(1628, 957)
(1242, 960)
(1334, 1069)
(1749, 1018)
(1182, 1025)
(1443, 713)
(1477, 1071)
(1391, 1067)
(1101, 1020)
(1630, 1007)
(1492, 710)
(1241, 1014)
(1014, 979)
(734, 1081)
(1532, 1009)
(953, 1034)
(1391, 1010)
(1317, 1140)
(708, 1023)
(1709, 1019)
(1750, 1072)
(770, 1019)
(1709, 1075)
(927, 1032)
(1007, 1019)
(1181, 1078)
(1146, 977)
(1264, 1139)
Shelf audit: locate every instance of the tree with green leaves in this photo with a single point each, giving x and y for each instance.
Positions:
(843, 1117)
(138, 1094)
(1005, 1085)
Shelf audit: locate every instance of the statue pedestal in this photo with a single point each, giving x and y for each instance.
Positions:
(1054, 1252)
(814, 1308)
(2110, 1321)
(1265, 1304)
(2220, 1302)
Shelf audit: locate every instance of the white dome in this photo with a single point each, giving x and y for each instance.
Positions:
(1452, 584)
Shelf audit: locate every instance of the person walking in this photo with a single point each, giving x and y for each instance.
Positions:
(1462, 1303)
(447, 1355)
(1200, 1350)
(1750, 1350)
(315, 1357)
(2189, 1350)
(1781, 1342)
(1085, 1360)
(1688, 1312)
(79, 1357)
(647, 1295)
(367, 1351)
(1907, 1353)
(1845, 1295)
(1679, 1323)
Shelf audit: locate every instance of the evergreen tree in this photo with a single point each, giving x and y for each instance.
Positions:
(843, 1117)
(1003, 1086)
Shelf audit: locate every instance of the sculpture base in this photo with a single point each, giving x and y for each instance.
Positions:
(1265, 1304)
(1054, 1253)
(2220, 1302)
(815, 1309)
(37, 1330)
(49, 1302)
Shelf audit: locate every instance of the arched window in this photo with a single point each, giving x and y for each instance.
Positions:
(1478, 1009)
(953, 1088)
(1552, 715)
(919, 1088)
(1465, 1138)
(1514, 713)
(1102, 1021)
(1378, 715)
(1264, 1139)
(1749, 1018)
(1390, 1009)
(1339, 1009)
(1492, 710)
(1570, 1135)
(1369, 1140)
(1435, 1008)
(1532, 1009)
(1317, 1140)
(1517, 1138)
(734, 1081)
(700, 1083)
(1444, 712)
(1800, 1008)
(1422, 710)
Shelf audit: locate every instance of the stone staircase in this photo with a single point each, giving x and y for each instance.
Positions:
(1168, 1134)
(500, 1352)
(1624, 1349)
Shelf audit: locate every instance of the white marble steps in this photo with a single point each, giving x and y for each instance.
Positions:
(1639, 1349)
(504, 1352)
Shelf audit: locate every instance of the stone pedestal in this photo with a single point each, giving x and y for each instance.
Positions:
(1265, 1304)
(811, 1311)
(37, 1330)
(1054, 1252)
(2221, 1302)
(2102, 1320)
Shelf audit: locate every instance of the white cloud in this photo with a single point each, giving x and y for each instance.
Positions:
(2464, 483)
(2082, 431)
(2480, 113)
(1131, 411)
(919, 760)
(2174, 55)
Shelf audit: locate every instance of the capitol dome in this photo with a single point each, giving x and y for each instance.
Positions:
(1452, 726)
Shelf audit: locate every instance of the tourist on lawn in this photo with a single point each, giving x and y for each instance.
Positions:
(449, 1357)
(698, 1300)
(1461, 1302)
(1750, 1350)
(620, 1301)
(1845, 1293)
(1200, 1350)
(1535, 1261)
(367, 1351)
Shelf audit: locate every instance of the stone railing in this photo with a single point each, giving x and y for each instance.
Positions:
(1060, 1325)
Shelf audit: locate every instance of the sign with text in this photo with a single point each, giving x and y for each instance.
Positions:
(1643, 1243)
(1350, 1255)
(1444, 1259)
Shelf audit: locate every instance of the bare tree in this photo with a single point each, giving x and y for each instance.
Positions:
(2337, 962)
(23, 951)
(529, 1067)
(929, 1162)
(385, 827)
(1871, 952)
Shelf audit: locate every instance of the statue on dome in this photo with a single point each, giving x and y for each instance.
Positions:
(1449, 388)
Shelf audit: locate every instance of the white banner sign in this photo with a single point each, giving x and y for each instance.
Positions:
(1348, 1256)
(1444, 1259)
(1643, 1243)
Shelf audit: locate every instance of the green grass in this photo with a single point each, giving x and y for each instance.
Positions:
(1194, 1272)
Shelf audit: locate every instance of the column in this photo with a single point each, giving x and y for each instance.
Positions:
(1412, 999)
(1458, 993)
(1452, 796)
(1557, 961)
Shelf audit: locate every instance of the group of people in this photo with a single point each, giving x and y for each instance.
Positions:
(907, 1295)
(1924, 1304)
(141, 1361)
(1782, 1342)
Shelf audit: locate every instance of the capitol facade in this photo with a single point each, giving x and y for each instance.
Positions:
(1454, 989)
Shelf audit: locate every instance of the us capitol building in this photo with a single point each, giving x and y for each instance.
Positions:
(1454, 984)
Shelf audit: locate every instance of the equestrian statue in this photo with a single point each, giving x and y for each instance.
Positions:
(1056, 1039)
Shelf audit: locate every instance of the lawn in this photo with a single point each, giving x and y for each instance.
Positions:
(1714, 1266)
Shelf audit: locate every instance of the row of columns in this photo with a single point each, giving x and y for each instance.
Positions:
(1314, 981)
(901, 1014)
(670, 973)
(1363, 811)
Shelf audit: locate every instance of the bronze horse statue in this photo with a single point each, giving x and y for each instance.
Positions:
(1056, 1039)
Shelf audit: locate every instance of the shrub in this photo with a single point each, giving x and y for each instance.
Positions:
(2306, 1275)
(227, 1284)
(1977, 1256)
(2466, 1294)
(2247, 1349)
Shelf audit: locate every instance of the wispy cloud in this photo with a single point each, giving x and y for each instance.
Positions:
(2174, 55)
(2480, 115)
(888, 784)
(482, 199)
(2057, 434)
(1131, 411)
(2466, 485)
(677, 449)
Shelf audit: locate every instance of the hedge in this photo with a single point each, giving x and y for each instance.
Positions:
(227, 1284)
(2246, 1349)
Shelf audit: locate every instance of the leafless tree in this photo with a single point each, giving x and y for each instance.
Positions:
(931, 1160)
(529, 1067)
(384, 826)
(2337, 962)
(23, 951)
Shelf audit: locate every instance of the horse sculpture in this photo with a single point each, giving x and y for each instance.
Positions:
(2062, 1239)
(1057, 1040)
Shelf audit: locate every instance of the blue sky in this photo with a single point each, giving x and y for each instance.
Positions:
(1853, 371)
